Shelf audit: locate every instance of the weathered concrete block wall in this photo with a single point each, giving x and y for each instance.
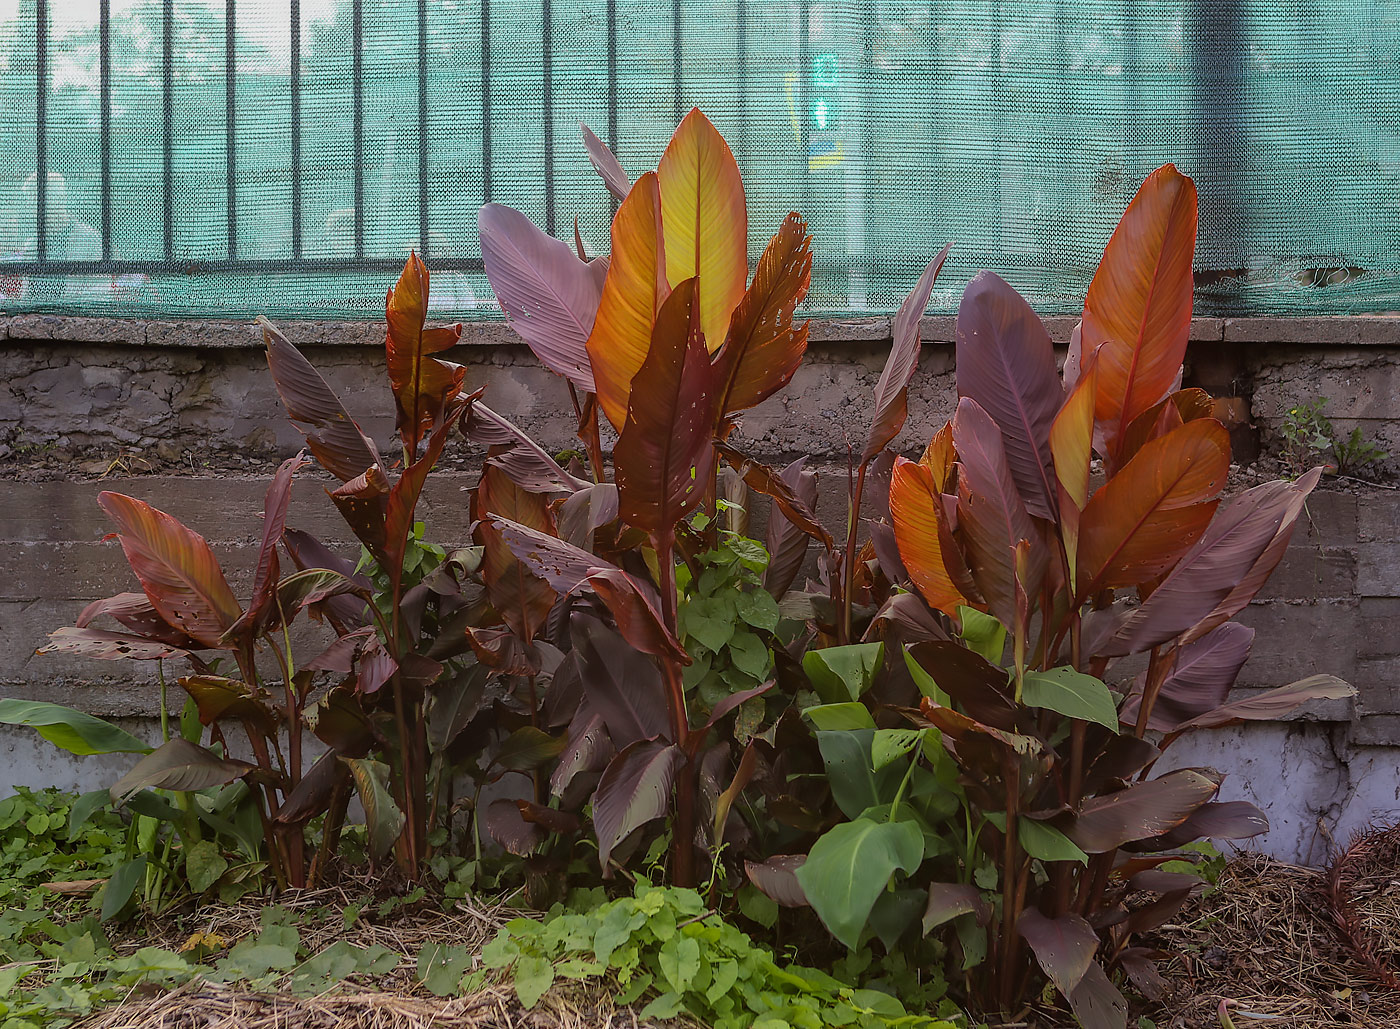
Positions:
(184, 415)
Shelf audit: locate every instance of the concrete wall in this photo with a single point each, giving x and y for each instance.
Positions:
(184, 415)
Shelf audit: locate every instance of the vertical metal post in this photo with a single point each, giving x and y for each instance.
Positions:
(41, 127)
(1219, 73)
(486, 101)
(676, 109)
(294, 11)
(423, 126)
(357, 120)
(167, 117)
(547, 111)
(104, 79)
(804, 71)
(230, 124)
(612, 75)
(742, 97)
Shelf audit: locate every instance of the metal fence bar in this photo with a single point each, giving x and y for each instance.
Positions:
(804, 117)
(486, 101)
(184, 266)
(423, 126)
(357, 119)
(547, 109)
(676, 73)
(294, 12)
(104, 87)
(41, 127)
(612, 75)
(167, 118)
(231, 123)
(741, 97)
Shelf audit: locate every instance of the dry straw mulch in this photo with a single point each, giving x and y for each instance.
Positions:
(395, 1001)
(1286, 947)
(1270, 941)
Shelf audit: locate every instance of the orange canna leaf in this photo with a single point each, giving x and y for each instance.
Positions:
(179, 573)
(706, 221)
(764, 347)
(632, 294)
(520, 597)
(423, 386)
(1185, 405)
(1138, 308)
(940, 456)
(914, 507)
(1072, 440)
(1149, 514)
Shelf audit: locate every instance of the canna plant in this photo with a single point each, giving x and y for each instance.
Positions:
(671, 341)
(372, 715)
(1052, 529)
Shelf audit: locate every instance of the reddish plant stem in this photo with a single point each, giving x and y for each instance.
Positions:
(1010, 907)
(848, 562)
(683, 832)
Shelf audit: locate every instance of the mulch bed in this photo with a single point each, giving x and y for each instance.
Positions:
(1285, 947)
(1288, 947)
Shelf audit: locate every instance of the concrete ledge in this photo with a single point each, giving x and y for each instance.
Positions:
(1348, 330)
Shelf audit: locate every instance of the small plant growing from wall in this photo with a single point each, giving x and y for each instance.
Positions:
(1308, 436)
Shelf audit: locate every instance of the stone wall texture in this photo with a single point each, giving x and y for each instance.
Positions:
(184, 415)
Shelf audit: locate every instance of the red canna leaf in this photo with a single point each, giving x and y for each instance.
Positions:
(891, 393)
(1212, 569)
(991, 515)
(622, 684)
(1145, 518)
(1184, 405)
(764, 347)
(635, 789)
(262, 607)
(520, 596)
(1006, 363)
(787, 542)
(134, 611)
(917, 509)
(335, 440)
(633, 291)
(706, 222)
(402, 501)
(776, 879)
(664, 457)
(179, 573)
(1137, 314)
(567, 568)
(521, 457)
(1064, 946)
(423, 386)
(179, 765)
(364, 504)
(1199, 682)
(1253, 580)
(605, 164)
(793, 507)
(1141, 812)
(549, 295)
(1272, 704)
(109, 646)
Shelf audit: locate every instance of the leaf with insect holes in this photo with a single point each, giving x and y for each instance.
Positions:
(178, 571)
(520, 596)
(764, 346)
